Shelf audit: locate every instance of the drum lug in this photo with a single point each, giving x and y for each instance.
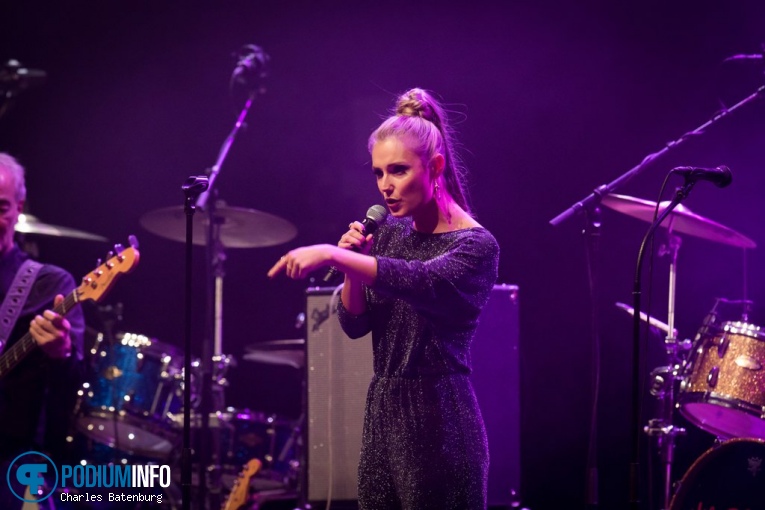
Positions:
(722, 347)
(712, 377)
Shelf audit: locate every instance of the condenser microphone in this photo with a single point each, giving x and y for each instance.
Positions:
(375, 216)
(719, 176)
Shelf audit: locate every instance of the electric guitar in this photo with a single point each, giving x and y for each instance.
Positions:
(93, 287)
(238, 496)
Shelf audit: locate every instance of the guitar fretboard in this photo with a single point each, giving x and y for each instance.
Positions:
(18, 351)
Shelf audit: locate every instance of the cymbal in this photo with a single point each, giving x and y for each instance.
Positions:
(681, 220)
(28, 224)
(278, 352)
(239, 227)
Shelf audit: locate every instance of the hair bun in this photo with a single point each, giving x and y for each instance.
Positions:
(415, 103)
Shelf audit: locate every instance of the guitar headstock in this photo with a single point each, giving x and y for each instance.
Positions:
(238, 496)
(98, 282)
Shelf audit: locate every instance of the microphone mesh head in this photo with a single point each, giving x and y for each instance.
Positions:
(377, 213)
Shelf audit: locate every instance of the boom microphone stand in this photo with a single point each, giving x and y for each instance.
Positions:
(250, 68)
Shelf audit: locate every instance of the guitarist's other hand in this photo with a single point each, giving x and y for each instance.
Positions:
(51, 332)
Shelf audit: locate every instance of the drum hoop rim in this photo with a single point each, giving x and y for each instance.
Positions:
(682, 486)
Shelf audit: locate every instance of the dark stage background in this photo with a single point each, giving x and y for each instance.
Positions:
(551, 99)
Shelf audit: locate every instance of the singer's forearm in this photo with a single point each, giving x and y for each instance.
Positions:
(356, 266)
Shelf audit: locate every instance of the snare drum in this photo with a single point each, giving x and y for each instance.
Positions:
(128, 404)
(723, 391)
(729, 475)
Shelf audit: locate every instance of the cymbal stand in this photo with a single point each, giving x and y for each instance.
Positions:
(664, 379)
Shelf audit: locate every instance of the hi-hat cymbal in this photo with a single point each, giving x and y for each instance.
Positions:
(681, 220)
(28, 224)
(239, 227)
(278, 352)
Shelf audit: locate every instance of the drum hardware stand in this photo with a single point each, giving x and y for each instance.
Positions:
(663, 379)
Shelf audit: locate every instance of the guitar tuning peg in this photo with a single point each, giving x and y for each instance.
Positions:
(99, 262)
(133, 241)
(110, 254)
(118, 248)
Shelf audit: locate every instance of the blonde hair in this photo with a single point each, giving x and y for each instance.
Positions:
(421, 119)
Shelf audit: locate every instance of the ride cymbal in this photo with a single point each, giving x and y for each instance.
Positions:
(239, 227)
(681, 220)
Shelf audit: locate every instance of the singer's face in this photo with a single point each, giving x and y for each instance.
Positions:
(402, 179)
(9, 209)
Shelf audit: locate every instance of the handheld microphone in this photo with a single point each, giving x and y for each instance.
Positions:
(375, 216)
(719, 176)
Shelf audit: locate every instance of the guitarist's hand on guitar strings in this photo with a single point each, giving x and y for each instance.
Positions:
(51, 332)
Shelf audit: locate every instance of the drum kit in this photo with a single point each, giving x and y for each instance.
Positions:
(716, 381)
(130, 408)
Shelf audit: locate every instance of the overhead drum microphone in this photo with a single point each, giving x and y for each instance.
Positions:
(251, 67)
(375, 216)
(720, 176)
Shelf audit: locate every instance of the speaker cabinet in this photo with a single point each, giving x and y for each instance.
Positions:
(339, 371)
(496, 380)
(338, 374)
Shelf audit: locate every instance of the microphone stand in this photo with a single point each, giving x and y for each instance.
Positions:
(193, 186)
(588, 205)
(634, 474)
(594, 198)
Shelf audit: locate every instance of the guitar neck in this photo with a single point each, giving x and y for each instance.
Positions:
(21, 349)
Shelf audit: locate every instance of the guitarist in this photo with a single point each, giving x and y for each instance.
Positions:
(37, 397)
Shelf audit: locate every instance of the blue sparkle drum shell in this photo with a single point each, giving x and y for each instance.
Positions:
(128, 402)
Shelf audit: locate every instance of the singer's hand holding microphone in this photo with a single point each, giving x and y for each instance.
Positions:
(300, 262)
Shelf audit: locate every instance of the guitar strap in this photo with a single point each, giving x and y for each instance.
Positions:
(16, 297)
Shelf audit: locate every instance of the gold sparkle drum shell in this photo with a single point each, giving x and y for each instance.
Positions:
(723, 391)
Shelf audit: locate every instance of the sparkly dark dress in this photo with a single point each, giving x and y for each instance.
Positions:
(424, 443)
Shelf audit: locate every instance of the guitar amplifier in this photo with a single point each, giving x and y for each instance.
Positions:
(338, 374)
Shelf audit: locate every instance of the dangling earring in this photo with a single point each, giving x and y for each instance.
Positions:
(437, 190)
